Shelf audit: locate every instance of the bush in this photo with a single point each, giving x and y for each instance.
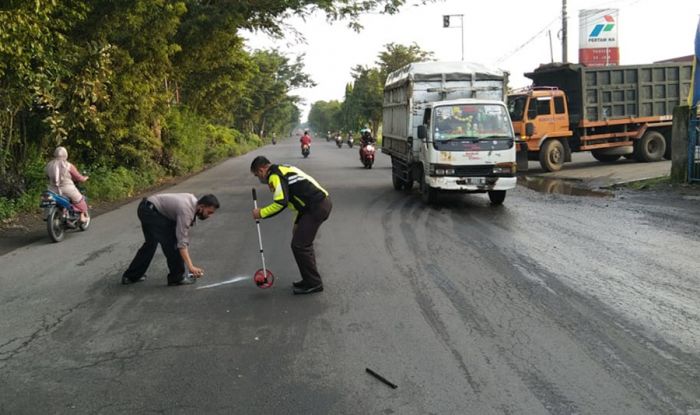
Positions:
(118, 183)
(190, 142)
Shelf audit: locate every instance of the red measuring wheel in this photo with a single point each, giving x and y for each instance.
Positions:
(263, 278)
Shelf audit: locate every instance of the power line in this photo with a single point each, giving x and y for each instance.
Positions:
(607, 4)
(519, 48)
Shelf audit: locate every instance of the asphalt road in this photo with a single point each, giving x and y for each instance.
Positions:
(548, 304)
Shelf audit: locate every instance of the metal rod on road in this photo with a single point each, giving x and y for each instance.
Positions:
(380, 377)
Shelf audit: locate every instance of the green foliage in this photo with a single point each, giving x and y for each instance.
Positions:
(397, 56)
(143, 88)
(325, 116)
(113, 184)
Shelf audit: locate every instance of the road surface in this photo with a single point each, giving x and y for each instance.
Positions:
(548, 304)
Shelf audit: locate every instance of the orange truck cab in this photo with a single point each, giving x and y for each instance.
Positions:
(611, 111)
(542, 118)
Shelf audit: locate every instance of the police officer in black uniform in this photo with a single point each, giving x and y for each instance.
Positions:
(293, 188)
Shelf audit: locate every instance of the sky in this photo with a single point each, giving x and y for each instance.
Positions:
(512, 35)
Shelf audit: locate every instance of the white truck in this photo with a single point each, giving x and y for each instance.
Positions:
(445, 125)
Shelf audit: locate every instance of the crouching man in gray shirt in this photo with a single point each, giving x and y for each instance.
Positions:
(166, 219)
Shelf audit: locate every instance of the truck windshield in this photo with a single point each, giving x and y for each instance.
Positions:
(516, 107)
(473, 121)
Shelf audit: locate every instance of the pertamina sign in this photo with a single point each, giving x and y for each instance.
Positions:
(598, 41)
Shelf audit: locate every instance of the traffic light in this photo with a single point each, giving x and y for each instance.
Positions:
(446, 21)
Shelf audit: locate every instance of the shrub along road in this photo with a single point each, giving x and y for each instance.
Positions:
(547, 304)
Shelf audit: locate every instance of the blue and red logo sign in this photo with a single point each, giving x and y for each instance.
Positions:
(603, 27)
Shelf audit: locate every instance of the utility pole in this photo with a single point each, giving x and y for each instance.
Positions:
(564, 37)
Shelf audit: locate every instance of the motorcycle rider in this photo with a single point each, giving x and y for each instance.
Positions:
(305, 140)
(62, 174)
(338, 139)
(350, 137)
(365, 140)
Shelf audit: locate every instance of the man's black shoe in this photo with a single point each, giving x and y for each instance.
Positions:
(127, 281)
(184, 281)
(299, 284)
(309, 290)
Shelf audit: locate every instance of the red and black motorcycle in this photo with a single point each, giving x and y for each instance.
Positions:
(367, 155)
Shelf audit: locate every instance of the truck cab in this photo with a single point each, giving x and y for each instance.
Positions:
(465, 145)
(538, 115)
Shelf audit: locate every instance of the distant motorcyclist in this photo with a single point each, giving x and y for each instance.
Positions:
(305, 139)
(350, 139)
(338, 139)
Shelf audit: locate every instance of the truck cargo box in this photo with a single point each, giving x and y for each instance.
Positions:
(418, 83)
(614, 92)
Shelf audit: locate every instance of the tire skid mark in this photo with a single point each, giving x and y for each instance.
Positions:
(546, 392)
(425, 302)
(618, 345)
(96, 254)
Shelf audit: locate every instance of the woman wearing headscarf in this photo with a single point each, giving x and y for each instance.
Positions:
(62, 174)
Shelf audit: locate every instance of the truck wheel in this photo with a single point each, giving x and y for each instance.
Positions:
(407, 186)
(427, 193)
(552, 155)
(397, 182)
(497, 196)
(604, 158)
(650, 147)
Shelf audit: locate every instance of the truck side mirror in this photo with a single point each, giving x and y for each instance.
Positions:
(529, 129)
(422, 132)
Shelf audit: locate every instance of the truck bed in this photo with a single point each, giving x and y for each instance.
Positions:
(599, 94)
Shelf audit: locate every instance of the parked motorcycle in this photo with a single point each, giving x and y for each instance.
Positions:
(60, 215)
(367, 155)
(351, 141)
(305, 150)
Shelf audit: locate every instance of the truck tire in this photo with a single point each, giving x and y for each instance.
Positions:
(604, 158)
(397, 182)
(552, 155)
(407, 186)
(497, 197)
(651, 147)
(427, 193)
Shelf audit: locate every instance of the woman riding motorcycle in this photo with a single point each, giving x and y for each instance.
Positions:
(62, 174)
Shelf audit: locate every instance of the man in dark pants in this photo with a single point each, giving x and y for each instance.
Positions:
(166, 220)
(294, 188)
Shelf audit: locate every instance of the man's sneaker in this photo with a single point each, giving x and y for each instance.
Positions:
(309, 290)
(184, 281)
(299, 284)
(127, 281)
